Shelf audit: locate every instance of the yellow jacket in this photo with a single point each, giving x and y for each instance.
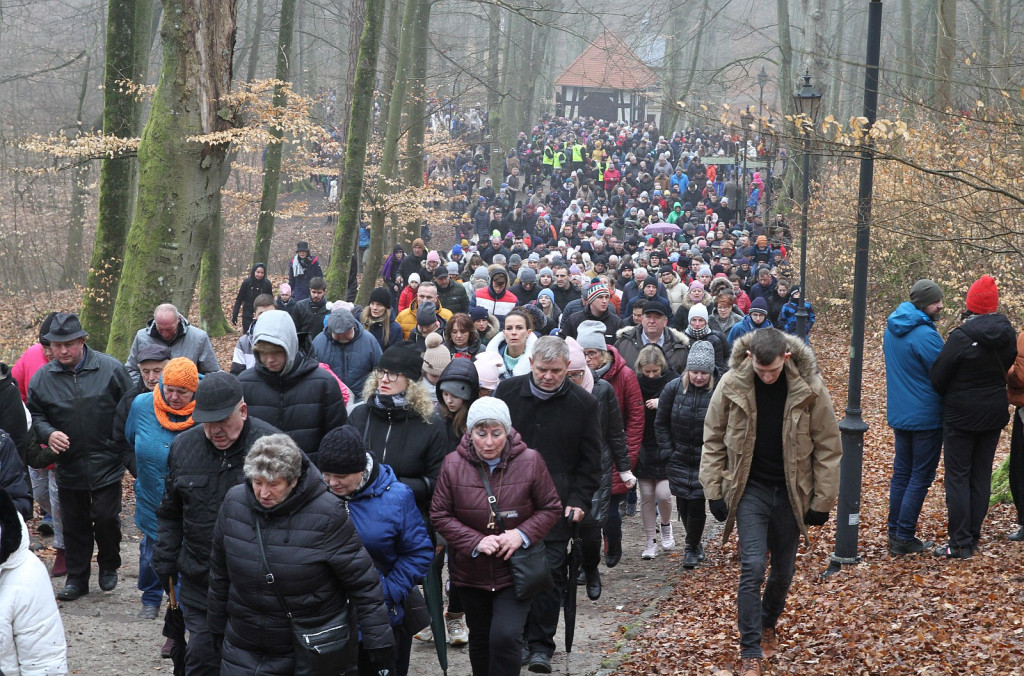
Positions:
(407, 317)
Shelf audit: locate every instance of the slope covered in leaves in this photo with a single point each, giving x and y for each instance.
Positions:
(915, 615)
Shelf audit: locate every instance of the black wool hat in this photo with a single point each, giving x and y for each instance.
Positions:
(402, 358)
(382, 296)
(341, 452)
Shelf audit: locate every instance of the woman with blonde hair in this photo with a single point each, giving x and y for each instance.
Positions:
(398, 423)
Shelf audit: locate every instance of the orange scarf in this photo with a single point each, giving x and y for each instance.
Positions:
(164, 411)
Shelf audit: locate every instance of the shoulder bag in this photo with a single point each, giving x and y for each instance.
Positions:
(321, 647)
(529, 565)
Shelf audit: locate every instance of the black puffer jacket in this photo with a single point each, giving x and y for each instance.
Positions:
(649, 465)
(250, 290)
(198, 478)
(12, 414)
(401, 438)
(679, 429)
(970, 373)
(318, 563)
(614, 454)
(81, 404)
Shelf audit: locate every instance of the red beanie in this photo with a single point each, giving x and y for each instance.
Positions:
(983, 296)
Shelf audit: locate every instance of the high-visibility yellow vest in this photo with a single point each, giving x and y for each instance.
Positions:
(549, 155)
(601, 166)
(559, 159)
(577, 152)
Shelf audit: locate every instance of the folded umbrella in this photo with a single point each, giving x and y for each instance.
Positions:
(174, 629)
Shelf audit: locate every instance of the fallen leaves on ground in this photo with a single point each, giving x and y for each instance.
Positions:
(914, 615)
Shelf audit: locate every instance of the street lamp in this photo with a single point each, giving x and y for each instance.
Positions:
(770, 148)
(807, 101)
(762, 80)
(746, 119)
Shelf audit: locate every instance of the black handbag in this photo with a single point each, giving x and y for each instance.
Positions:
(529, 565)
(321, 647)
(416, 617)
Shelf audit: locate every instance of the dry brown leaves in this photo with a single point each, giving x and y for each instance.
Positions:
(913, 615)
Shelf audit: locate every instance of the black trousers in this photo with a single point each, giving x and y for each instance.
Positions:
(90, 515)
(1016, 473)
(542, 622)
(495, 622)
(968, 456)
(694, 517)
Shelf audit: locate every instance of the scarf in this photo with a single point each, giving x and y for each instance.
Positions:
(544, 395)
(164, 412)
(390, 401)
(698, 334)
(299, 265)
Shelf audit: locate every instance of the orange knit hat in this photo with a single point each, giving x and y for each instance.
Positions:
(181, 372)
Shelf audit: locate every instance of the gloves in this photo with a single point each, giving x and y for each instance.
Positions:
(812, 518)
(719, 509)
(381, 659)
(628, 478)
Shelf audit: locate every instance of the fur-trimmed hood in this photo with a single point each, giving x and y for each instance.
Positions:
(803, 357)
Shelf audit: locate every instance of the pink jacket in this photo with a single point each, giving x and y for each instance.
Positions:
(28, 363)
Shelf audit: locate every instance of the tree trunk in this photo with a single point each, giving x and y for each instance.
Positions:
(906, 46)
(673, 65)
(417, 111)
(115, 176)
(945, 46)
(493, 90)
(254, 43)
(179, 179)
(211, 312)
(72, 273)
(389, 156)
(346, 230)
(835, 91)
(272, 167)
(147, 20)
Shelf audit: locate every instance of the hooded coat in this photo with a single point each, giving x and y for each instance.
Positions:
(351, 361)
(463, 371)
(970, 373)
(190, 342)
(522, 367)
(811, 449)
(245, 300)
(31, 632)
(911, 344)
(460, 513)
(303, 400)
(318, 564)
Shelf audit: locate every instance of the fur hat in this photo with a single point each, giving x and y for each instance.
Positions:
(382, 296)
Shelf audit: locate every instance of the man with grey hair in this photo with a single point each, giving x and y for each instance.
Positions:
(204, 463)
(168, 327)
(540, 403)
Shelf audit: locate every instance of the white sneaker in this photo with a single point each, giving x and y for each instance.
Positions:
(667, 541)
(457, 632)
(651, 550)
(425, 635)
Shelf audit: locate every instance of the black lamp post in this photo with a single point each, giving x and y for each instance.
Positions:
(762, 80)
(807, 101)
(746, 119)
(770, 148)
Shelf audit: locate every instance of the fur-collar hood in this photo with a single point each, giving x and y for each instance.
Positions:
(803, 358)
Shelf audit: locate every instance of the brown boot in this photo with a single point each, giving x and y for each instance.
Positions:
(165, 651)
(60, 566)
(769, 642)
(750, 666)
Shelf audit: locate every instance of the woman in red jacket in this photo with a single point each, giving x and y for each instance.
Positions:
(529, 505)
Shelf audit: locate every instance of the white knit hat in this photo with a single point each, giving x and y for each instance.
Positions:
(489, 409)
(698, 310)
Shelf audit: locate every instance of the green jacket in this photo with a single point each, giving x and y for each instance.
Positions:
(811, 447)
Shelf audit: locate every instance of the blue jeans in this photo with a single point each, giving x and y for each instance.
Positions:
(765, 525)
(913, 471)
(149, 583)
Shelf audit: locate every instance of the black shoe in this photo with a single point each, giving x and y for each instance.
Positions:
(951, 552)
(149, 612)
(901, 547)
(1016, 537)
(700, 552)
(690, 559)
(581, 578)
(593, 579)
(46, 526)
(540, 663)
(71, 593)
(612, 557)
(108, 580)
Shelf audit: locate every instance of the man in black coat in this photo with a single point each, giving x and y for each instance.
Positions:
(309, 313)
(73, 400)
(596, 301)
(204, 463)
(540, 403)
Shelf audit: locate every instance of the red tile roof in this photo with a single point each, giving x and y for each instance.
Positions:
(609, 64)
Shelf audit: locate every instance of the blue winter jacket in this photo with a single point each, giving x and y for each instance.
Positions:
(394, 534)
(911, 344)
(351, 361)
(151, 443)
(746, 326)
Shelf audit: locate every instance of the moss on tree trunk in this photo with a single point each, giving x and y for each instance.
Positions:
(179, 179)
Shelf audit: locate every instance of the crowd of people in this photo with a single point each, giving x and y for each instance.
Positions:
(614, 280)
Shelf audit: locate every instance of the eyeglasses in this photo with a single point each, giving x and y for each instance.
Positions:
(575, 375)
(387, 376)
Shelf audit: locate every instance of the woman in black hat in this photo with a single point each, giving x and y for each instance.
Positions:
(397, 421)
(376, 318)
(303, 267)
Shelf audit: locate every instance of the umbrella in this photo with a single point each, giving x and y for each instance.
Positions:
(174, 629)
(433, 593)
(573, 563)
(662, 229)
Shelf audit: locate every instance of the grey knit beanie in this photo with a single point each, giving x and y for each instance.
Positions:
(701, 358)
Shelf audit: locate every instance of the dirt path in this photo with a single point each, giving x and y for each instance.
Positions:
(105, 637)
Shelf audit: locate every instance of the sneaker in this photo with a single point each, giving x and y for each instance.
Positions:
(46, 526)
(457, 632)
(769, 642)
(667, 541)
(424, 635)
(951, 552)
(901, 547)
(651, 550)
(750, 666)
